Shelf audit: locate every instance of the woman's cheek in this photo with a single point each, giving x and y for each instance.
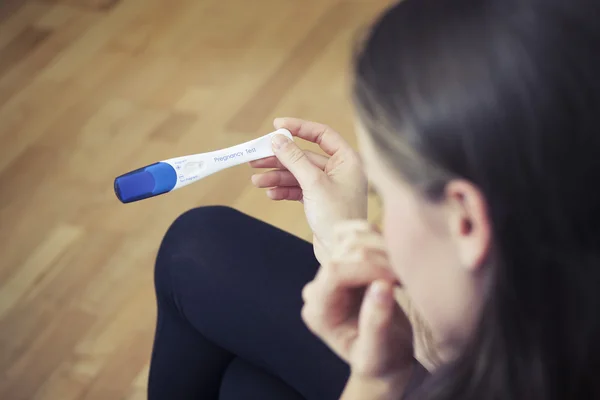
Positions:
(406, 238)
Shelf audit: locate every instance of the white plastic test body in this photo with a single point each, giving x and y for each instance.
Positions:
(174, 173)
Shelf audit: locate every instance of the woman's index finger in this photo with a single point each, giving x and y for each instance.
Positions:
(328, 140)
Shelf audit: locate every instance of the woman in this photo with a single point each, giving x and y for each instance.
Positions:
(476, 122)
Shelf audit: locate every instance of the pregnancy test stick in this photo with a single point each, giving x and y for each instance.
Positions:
(174, 173)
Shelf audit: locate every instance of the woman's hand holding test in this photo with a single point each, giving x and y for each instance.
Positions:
(332, 187)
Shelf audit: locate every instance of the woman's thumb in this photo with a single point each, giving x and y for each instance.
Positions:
(294, 160)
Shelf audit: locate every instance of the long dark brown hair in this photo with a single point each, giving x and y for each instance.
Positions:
(506, 94)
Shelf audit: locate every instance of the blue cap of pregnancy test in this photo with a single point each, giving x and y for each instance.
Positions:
(145, 182)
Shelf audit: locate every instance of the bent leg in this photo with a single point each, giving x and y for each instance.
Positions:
(185, 365)
(237, 282)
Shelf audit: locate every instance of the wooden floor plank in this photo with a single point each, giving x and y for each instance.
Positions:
(21, 46)
(251, 116)
(30, 371)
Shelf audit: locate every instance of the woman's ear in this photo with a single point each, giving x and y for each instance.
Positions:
(469, 223)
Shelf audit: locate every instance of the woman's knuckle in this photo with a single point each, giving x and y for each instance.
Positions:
(278, 179)
(295, 155)
(306, 290)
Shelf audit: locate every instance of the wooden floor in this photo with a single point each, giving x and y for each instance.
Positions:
(90, 89)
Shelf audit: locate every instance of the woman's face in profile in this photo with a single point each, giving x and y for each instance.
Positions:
(430, 255)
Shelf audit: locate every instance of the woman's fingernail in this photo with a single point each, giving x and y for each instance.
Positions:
(254, 179)
(278, 141)
(380, 292)
(277, 122)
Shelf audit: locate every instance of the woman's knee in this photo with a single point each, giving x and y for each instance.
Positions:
(197, 228)
(193, 235)
(202, 217)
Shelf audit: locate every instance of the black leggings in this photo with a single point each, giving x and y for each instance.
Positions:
(228, 288)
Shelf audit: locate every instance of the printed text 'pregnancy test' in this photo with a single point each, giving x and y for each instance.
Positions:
(168, 175)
